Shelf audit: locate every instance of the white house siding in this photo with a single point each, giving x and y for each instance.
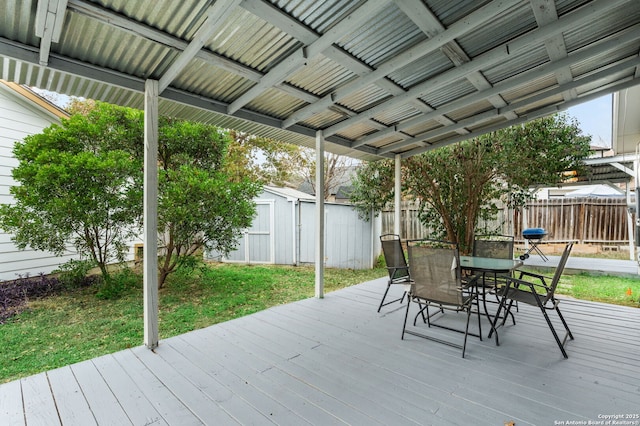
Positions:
(20, 117)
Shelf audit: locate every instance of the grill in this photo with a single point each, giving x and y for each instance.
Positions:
(534, 236)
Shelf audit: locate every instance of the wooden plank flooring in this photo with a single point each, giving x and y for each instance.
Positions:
(337, 361)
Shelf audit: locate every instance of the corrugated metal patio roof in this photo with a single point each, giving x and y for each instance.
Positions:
(378, 77)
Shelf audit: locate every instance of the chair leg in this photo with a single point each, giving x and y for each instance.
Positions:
(384, 296)
(494, 324)
(479, 321)
(466, 330)
(553, 330)
(400, 299)
(406, 315)
(566, 327)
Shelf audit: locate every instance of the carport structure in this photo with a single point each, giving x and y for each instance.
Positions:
(369, 79)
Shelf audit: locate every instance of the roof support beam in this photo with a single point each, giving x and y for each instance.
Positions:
(280, 72)
(532, 115)
(291, 26)
(628, 35)
(501, 53)
(101, 76)
(115, 20)
(49, 20)
(623, 168)
(521, 79)
(461, 27)
(216, 16)
(546, 13)
(479, 118)
(418, 12)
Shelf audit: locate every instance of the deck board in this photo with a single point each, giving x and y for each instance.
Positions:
(105, 405)
(172, 410)
(11, 408)
(39, 406)
(135, 404)
(70, 401)
(338, 361)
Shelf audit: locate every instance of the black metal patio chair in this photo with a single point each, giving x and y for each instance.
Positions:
(540, 294)
(397, 267)
(495, 247)
(436, 281)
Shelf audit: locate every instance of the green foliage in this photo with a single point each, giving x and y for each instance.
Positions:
(456, 185)
(73, 273)
(118, 284)
(199, 206)
(459, 184)
(80, 182)
(604, 288)
(372, 187)
(264, 160)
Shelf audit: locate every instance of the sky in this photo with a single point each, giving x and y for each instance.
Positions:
(595, 118)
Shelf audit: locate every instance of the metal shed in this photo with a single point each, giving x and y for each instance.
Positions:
(283, 233)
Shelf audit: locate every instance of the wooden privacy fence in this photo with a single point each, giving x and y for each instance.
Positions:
(585, 220)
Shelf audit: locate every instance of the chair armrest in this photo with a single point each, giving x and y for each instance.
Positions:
(542, 278)
(393, 270)
(515, 283)
(469, 281)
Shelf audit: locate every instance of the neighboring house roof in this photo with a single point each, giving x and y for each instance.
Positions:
(596, 191)
(36, 99)
(344, 192)
(289, 193)
(341, 180)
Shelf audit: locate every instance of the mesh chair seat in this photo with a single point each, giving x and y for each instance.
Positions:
(397, 267)
(436, 281)
(495, 247)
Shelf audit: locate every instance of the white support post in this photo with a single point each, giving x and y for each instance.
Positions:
(319, 214)
(150, 261)
(397, 210)
(630, 234)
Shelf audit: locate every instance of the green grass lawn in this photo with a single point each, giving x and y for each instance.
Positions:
(77, 325)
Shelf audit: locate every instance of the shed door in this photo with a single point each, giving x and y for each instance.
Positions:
(259, 239)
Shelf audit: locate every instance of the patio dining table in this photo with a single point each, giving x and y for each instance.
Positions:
(489, 265)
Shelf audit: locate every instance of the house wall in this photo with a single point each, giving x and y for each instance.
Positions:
(18, 119)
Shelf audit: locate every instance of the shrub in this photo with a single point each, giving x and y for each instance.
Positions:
(117, 284)
(73, 274)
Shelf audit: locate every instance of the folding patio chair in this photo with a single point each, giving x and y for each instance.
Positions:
(396, 265)
(495, 247)
(436, 281)
(537, 294)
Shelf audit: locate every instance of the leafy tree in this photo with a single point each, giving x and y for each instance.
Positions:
(459, 184)
(200, 206)
(336, 169)
(268, 161)
(82, 182)
(79, 182)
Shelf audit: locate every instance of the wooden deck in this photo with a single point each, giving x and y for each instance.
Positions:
(336, 360)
